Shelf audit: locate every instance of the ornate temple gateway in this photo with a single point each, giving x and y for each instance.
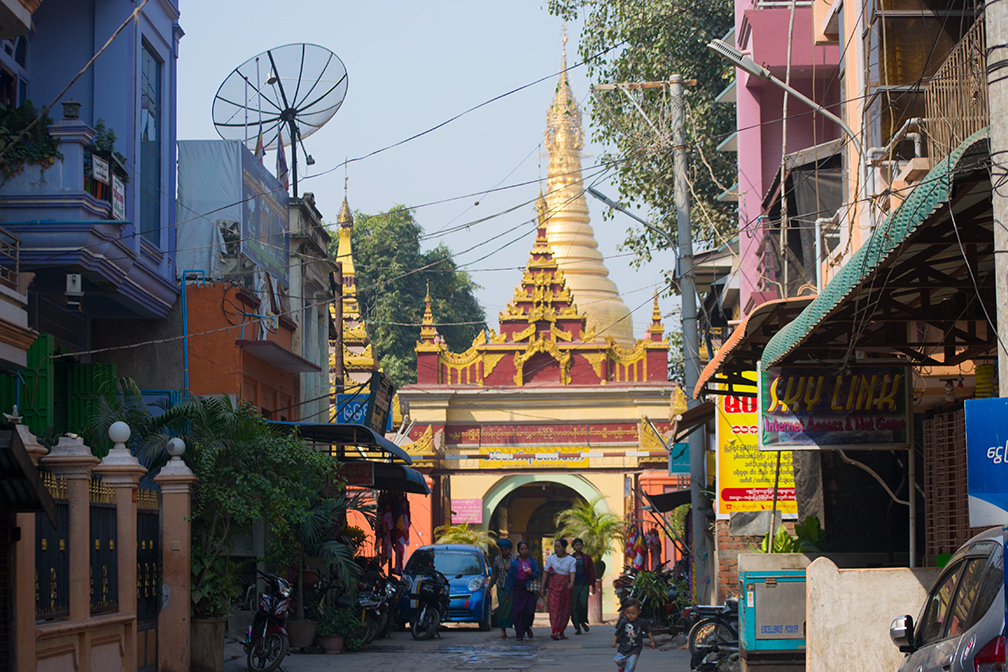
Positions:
(540, 415)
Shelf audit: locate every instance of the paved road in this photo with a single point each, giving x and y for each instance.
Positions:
(466, 648)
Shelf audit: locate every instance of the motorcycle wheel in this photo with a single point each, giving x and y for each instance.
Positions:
(267, 654)
(426, 624)
(369, 628)
(709, 632)
(384, 623)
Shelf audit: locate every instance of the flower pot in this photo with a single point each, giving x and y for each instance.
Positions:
(301, 633)
(331, 643)
(206, 644)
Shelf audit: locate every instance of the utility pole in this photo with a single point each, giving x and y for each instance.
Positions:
(687, 292)
(996, 30)
(691, 341)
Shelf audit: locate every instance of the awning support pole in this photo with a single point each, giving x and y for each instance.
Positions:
(773, 511)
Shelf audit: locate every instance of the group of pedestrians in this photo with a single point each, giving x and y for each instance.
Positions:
(563, 584)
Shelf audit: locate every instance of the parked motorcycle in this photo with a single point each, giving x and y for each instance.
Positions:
(714, 625)
(266, 641)
(376, 603)
(432, 595)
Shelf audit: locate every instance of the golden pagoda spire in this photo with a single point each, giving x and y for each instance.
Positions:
(567, 223)
(428, 332)
(655, 330)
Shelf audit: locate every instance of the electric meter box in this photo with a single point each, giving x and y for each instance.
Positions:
(772, 612)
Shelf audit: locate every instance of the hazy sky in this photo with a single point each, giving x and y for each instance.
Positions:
(412, 66)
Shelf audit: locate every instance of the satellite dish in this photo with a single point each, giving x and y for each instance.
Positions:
(288, 92)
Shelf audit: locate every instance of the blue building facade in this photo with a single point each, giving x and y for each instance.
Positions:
(99, 241)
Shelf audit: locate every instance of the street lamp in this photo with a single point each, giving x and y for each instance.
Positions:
(740, 60)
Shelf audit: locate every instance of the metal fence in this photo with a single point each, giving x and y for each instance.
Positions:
(956, 97)
(148, 577)
(104, 562)
(52, 557)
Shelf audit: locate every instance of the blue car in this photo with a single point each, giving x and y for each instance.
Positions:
(467, 568)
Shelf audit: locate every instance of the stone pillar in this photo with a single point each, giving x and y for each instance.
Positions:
(73, 461)
(176, 481)
(122, 472)
(24, 570)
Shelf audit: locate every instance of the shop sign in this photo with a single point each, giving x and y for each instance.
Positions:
(987, 461)
(118, 199)
(351, 409)
(467, 511)
(358, 473)
(805, 408)
(100, 169)
(745, 474)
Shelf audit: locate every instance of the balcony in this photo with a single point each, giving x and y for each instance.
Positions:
(956, 97)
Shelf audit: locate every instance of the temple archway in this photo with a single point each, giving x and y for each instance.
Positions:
(524, 506)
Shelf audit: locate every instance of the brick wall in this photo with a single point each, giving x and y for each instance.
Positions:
(727, 549)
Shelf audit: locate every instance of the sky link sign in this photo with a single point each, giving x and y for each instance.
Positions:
(801, 408)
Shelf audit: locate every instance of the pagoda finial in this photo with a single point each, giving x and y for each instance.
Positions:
(428, 332)
(345, 216)
(655, 330)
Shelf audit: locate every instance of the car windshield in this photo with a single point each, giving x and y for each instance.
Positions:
(453, 563)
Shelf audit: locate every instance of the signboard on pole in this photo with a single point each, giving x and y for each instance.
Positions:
(358, 473)
(100, 169)
(987, 461)
(801, 408)
(746, 475)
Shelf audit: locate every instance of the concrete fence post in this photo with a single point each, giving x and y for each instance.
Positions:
(24, 572)
(174, 622)
(73, 461)
(122, 472)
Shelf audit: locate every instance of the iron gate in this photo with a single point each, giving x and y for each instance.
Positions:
(148, 577)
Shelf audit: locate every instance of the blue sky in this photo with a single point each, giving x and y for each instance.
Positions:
(413, 66)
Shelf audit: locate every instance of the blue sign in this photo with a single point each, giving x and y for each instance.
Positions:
(678, 459)
(351, 409)
(987, 461)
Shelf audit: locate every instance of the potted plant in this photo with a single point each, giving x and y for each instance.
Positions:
(338, 629)
(598, 531)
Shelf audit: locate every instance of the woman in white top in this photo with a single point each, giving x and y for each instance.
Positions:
(558, 581)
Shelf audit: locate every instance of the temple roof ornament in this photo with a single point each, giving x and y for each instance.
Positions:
(572, 237)
(655, 330)
(359, 360)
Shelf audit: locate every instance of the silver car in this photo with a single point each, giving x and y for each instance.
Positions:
(961, 623)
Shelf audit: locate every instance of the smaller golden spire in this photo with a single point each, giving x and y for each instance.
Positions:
(428, 332)
(655, 330)
(345, 216)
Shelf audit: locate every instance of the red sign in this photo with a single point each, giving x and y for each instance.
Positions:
(540, 435)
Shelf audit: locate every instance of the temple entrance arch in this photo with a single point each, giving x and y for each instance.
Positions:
(525, 506)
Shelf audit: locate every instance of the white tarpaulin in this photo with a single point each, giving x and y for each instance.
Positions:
(222, 186)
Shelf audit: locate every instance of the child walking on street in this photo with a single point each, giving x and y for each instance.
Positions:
(629, 635)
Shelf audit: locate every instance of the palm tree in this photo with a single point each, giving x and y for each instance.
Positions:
(596, 530)
(463, 534)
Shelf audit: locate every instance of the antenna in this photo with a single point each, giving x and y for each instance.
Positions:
(298, 88)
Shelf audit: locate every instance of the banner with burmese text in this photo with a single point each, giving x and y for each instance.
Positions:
(805, 408)
(745, 474)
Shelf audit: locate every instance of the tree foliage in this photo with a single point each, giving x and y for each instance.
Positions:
(392, 280)
(596, 530)
(650, 40)
(461, 533)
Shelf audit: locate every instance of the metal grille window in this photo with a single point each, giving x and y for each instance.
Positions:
(945, 497)
(52, 557)
(104, 565)
(150, 146)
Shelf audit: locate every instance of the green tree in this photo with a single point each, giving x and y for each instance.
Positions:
(463, 534)
(596, 530)
(649, 40)
(393, 274)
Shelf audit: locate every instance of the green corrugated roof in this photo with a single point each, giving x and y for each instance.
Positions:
(923, 201)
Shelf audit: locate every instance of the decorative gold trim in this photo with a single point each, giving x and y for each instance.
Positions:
(548, 347)
(559, 334)
(490, 362)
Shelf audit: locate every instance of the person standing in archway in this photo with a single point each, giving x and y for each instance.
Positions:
(521, 588)
(559, 584)
(498, 577)
(584, 583)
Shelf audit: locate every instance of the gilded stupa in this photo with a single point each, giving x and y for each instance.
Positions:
(358, 355)
(570, 234)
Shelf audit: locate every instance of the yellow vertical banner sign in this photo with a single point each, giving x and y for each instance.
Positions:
(745, 474)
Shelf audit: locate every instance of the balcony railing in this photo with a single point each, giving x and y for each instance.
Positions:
(956, 97)
(10, 261)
